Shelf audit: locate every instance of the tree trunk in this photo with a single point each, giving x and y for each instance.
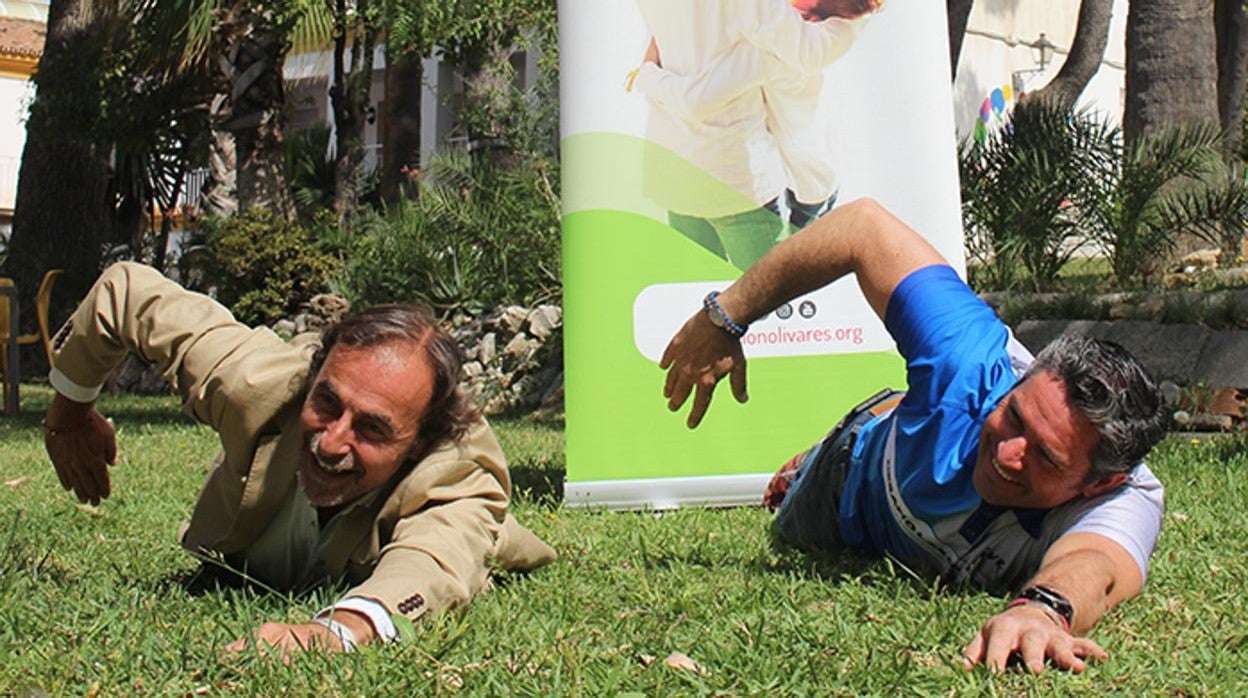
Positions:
(1171, 66)
(349, 97)
(400, 151)
(1086, 52)
(1231, 27)
(251, 48)
(488, 87)
(958, 12)
(220, 194)
(61, 214)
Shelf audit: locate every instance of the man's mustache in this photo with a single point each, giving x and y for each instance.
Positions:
(337, 464)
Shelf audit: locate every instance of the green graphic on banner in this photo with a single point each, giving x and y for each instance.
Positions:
(618, 423)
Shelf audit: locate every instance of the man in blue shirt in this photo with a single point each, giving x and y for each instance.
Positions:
(994, 469)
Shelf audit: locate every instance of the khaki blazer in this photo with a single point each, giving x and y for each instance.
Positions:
(426, 542)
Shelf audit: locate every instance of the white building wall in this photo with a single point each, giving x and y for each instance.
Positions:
(15, 95)
(996, 54)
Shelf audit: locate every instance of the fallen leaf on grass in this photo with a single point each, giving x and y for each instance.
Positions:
(682, 661)
(646, 659)
(16, 481)
(1178, 516)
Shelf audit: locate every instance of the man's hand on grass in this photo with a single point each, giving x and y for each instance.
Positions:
(287, 639)
(81, 444)
(1032, 634)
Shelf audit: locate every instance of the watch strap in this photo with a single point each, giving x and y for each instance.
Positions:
(1050, 599)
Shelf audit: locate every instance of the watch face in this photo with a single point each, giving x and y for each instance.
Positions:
(717, 319)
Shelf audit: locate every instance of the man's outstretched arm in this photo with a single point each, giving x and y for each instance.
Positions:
(1094, 574)
(861, 238)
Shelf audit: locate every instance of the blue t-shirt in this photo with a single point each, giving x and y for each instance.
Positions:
(919, 505)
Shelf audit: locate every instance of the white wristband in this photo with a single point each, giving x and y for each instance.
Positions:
(374, 611)
(345, 634)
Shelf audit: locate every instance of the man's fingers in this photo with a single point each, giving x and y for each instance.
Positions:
(737, 379)
(61, 475)
(701, 401)
(1083, 647)
(679, 393)
(110, 449)
(1064, 658)
(95, 480)
(1032, 647)
(973, 653)
(997, 653)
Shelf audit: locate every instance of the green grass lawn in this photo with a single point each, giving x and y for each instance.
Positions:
(103, 601)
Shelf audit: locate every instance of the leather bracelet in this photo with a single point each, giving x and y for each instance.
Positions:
(51, 431)
(1050, 600)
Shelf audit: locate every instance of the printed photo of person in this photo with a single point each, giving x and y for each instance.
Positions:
(733, 88)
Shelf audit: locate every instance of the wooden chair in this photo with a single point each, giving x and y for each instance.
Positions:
(43, 299)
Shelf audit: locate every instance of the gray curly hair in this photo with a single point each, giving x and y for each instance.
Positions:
(1114, 391)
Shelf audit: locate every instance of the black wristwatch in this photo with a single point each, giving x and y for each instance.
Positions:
(1049, 599)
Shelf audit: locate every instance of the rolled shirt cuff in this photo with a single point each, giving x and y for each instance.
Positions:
(374, 611)
(63, 385)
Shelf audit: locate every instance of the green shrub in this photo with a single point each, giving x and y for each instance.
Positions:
(1153, 190)
(1054, 179)
(263, 268)
(476, 235)
(1017, 189)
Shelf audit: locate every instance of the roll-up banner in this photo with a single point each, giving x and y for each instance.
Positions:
(696, 134)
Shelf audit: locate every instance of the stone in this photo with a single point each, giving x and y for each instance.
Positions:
(1170, 392)
(324, 309)
(513, 317)
(1178, 279)
(472, 369)
(1169, 351)
(544, 320)
(1200, 259)
(488, 349)
(1221, 363)
(1210, 422)
(284, 328)
(1152, 308)
(519, 346)
(1234, 277)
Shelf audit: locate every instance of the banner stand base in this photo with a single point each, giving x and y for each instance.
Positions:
(668, 493)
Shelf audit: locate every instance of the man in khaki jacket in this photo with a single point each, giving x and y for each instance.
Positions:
(354, 457)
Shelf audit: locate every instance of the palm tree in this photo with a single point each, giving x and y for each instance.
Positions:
(1162, 185)
(1017, 190)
